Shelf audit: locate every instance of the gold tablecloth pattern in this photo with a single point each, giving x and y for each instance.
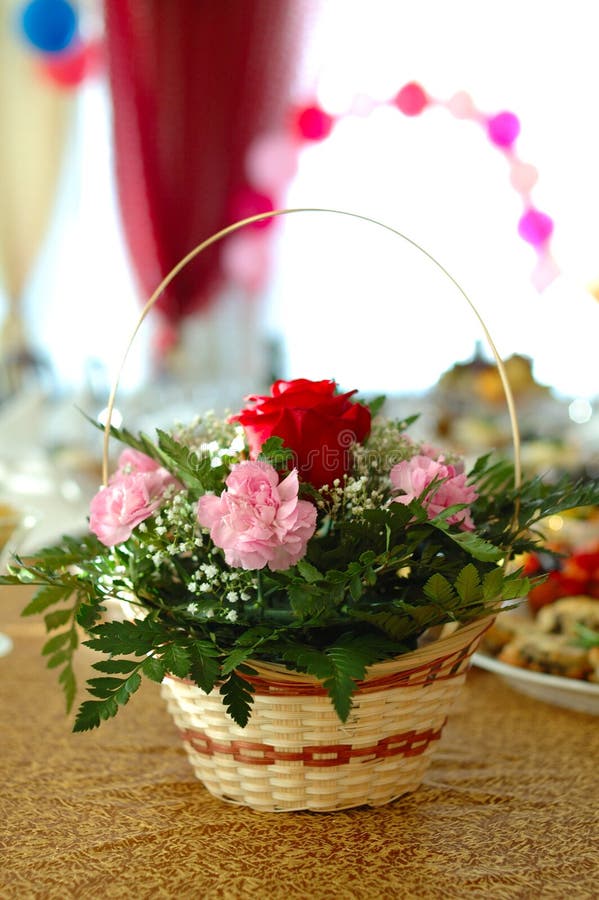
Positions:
(509, 808)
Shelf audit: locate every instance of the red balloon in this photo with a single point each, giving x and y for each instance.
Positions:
(535, 227)
(411, 99)
(70, 68)
(313, 123)
(503, 129)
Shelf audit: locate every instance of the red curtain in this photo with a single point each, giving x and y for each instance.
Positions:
(192, 83)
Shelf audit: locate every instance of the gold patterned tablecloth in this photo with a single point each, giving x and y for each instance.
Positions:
(509, 808)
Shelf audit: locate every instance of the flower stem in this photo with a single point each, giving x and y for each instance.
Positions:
(261, 604)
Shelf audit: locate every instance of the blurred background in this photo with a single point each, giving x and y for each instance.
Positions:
(132, 130)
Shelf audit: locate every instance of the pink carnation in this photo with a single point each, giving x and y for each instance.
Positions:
(127, 500)
(437, 454)
(259, 521)
(131, 461)
(414, 475)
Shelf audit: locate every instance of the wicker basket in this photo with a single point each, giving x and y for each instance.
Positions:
(295, 754)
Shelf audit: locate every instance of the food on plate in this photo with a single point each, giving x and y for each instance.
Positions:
(504, 629)
(553, 654)
(565, 615)
(550, 641)
(575, 574)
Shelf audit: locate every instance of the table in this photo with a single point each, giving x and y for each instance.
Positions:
(509, 808)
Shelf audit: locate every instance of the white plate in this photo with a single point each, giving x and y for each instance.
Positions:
(572, 693)
(5, 644)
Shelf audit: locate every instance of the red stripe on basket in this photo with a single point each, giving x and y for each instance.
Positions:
(409, 743)
(441, 669)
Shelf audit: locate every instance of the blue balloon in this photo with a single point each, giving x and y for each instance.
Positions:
(50, 25)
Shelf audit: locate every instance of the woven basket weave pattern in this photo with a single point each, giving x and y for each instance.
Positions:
(295, 753)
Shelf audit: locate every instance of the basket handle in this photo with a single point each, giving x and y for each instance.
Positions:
(237, 226)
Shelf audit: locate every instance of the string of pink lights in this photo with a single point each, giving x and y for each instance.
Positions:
(272, 162)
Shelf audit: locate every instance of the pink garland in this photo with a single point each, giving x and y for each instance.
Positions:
(271, 163)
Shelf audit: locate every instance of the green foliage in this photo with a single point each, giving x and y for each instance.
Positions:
(275, 452)
(204, 668)
(376, 404)
(237, 697)
(195, 471)
(47, 595)
(341, 665)
(176, 660)
(480, 549)
(50, 570)
(139, 442)
(439, 590)
(113, 692)
(375, 576)
(507, 516)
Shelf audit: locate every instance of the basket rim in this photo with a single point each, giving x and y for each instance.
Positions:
(461, 643)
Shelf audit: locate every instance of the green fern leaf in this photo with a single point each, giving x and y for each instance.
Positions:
(92, 712)
(57, 618)
(439, 589)
(69, 685)
(480, 549)
(153, 669)
(493, 584)
(48, 595)
(204, 670)
(56, 642)
(104, 687)
(115, 666)
(176, 660)
(468, 585)
(235, 658)
(237, 697)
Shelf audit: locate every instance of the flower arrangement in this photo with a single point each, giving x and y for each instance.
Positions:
(306, 530)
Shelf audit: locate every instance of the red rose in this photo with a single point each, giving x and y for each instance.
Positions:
(317, 424)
